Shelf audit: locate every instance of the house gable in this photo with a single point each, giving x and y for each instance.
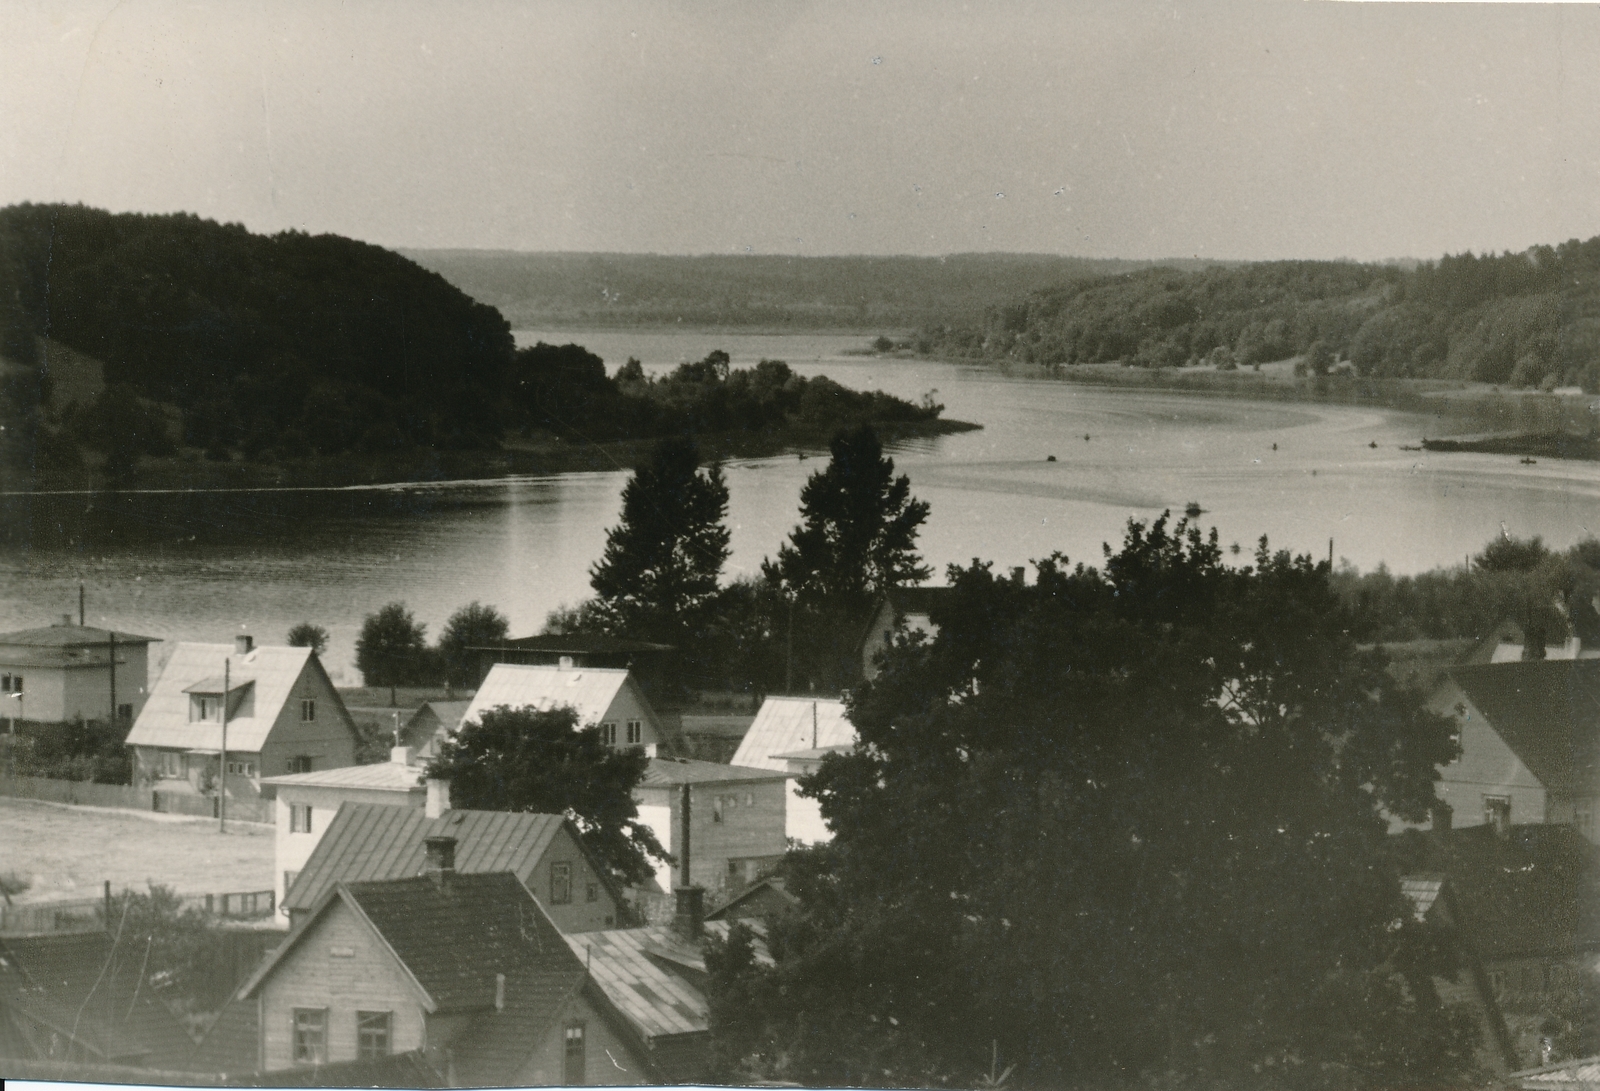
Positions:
(1487, 768)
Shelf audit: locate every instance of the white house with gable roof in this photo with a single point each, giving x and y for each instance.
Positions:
(793, 735)
(283, 716)
(604, 696)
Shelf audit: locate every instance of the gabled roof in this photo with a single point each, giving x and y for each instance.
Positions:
(452, 937)
(71, 636)
(368, 841)
(1547, 711)
(756, 902)
(164, 720)
(1534, 891)
(590, 690)
(787, 724)
(668, 772)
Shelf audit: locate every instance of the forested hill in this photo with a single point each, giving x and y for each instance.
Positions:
(290, 340)
(1525, 320)
(545, 290)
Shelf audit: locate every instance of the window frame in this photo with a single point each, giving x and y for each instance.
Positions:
(307, 1053)
(383, 1044)
(560, 882)
(300, 818)
(300, 763)
(608, 732)
(635, 732)
(574, 1054)
(308, 710)
(591, 891)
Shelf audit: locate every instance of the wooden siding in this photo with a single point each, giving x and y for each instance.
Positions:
(609, 1061)
(330, 740)
(746, 832)
(311, 976)
(1487, 767)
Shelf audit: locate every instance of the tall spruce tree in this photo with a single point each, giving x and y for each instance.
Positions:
(658, 575)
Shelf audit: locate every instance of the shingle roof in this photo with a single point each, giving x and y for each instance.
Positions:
(785, 724)
(164, 720)
(71, 636)
(1534, 891)
(379, 776)
(90, 982)
(1547, 711)
(372, 841)
(664, 772)
(590, 690)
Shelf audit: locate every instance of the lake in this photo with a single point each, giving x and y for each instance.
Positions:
(206, 566)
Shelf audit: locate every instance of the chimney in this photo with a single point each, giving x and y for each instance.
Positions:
(499, 992)
(400, 755)
(689, 920)
(441, 858)
(1019, 575)
(438, 798)
(243, 644)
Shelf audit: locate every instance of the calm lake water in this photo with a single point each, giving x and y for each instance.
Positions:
(203, 567)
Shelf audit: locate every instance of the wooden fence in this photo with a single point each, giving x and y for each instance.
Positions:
(85, 915)
(87, 794)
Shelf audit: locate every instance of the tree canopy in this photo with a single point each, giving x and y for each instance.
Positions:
(474, 625)
(660, 570)
(1118, 826)
(524, 759)
(307, 635)
(392, 648)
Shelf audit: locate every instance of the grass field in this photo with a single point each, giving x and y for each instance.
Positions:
(68, 852)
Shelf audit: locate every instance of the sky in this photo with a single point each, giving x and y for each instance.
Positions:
(1132, 130)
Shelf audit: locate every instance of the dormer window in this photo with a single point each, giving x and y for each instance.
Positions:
(206, 708)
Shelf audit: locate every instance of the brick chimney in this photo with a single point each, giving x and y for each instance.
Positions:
(441, 859)
(243, 644)
(438, 800)
(689, 917)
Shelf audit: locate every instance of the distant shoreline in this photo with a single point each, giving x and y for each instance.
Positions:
(426, 466)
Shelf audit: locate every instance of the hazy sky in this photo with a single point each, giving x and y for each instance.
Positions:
(1248, 130)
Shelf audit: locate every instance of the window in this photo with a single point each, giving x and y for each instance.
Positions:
(241, 768)
(11, 683)
(308, 709)
(573, 1056)
(288, 880)
(1583, 818)
(204, 708)
(124, 712)
(593, 892)
(299, 818)
(749, 799)
(310, 1036)
(170, 764)
(560, 884)
(608, 734)
(635, 732)
(372, 1035)
(716, 809)
(1497, 811)
(301, 764)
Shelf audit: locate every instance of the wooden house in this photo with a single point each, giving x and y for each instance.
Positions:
(792, 735)
(606, 697)
(66, 672)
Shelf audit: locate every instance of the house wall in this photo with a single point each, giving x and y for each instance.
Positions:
(803, 815)
(579, 915)
(62, 694)
(754, 829)
(43, 694)
(609, 1061)
(1575, 809)
(318, 974)
(329, 740)
(1487, 767)
(626, 706)
(292, 850)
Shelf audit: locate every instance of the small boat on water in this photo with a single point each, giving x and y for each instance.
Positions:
(1194, 510)
(1530, 461)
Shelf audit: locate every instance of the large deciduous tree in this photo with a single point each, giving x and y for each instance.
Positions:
(524, 759)
(1120, 826)
(658, 575)
(392, 648)
(473, 626)
(308, 635)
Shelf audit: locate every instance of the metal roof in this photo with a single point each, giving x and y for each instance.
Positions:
(1423, 890)
(377, 841)
(663, 772)
(380, 776)
(1547, 711)
(71, 636)
(590, 690)
(787, 724)
(164, 720)
(1576, 1075)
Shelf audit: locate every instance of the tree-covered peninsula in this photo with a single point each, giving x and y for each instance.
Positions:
(175, 351)
(1521, 320)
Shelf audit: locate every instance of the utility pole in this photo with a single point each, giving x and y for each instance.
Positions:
(111, 645)
(222, 763)
(80, 604)
(788, 651)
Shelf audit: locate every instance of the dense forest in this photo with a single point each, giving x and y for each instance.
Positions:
(869, 293)
(271, 349)
(1523, 320)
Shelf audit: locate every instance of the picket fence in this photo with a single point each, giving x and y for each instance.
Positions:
(85, 915)
(87, 794)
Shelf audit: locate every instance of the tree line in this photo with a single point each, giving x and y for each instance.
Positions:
(1524, 320)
